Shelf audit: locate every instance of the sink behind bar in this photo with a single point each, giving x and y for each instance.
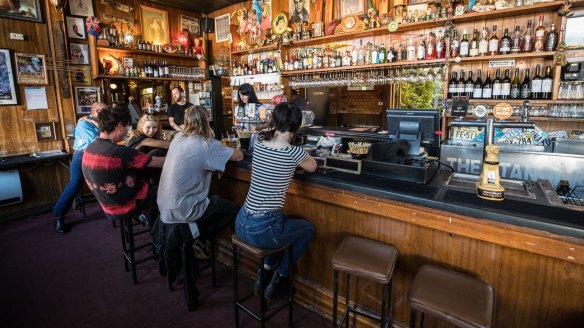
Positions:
(516, 188)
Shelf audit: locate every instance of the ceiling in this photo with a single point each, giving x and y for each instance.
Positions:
(198, 6)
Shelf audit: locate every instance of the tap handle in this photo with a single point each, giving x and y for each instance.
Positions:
(525, 116)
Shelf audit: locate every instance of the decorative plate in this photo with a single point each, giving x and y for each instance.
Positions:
(170, 48)
(280, 23)
(392, 26)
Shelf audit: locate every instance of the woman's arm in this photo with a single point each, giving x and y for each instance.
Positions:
(308, 164)
(154, 143)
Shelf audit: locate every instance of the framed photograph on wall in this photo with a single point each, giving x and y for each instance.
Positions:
(82, 8)
(7, 85)
(75, 28)
(45, 131)
(191, 24)
(299, 11)
(29, 10)
(352, 7)
(84, 98)
(154, 25)
(222, 32)
(79, 53)
(80, 74)
(31, 69)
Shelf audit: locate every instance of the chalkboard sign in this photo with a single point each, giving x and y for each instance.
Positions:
(459, 106)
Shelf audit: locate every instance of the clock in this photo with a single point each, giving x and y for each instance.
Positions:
(349, 22)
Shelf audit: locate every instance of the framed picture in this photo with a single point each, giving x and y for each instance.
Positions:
(79, 53)
(352, 7)
(416, 2)
(29, 10)
(154, 25)
(191, 24)
(280, 23)
(45, 131)
(75, 28)
(7, 86)
(222, 32)
(82, 8)
(84, 98)
(31, 69)
(299, 11)
(575, 39)
(80, 74)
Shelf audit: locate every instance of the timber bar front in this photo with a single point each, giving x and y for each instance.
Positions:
(452, 130)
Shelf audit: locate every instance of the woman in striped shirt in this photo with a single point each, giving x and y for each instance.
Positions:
(260, 221)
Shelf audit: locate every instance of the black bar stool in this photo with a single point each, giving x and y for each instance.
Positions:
(260, 253)
(369, 259)
(129, 246)
(458, 299)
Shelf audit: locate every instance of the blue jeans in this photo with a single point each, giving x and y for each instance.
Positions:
(72, 189)
(274, 230)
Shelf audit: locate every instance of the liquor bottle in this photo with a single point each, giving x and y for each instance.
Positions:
(497, 85)
(338, 60)
(506, 86)
(461, 84)
(326, 60)
(139, 44)
(505, 44)
(528, 38)
(454, 45)
(464, 45)
(536, 83)
(354, 56)
(431, 47)
(391, 55)
(452, 86)
(382, 54)
(551, 41)
(297, 63)
(474, 44)
(161, 69)
(516, 41)
(525, 92)
(347, 59)
(421, 51)
(488, 87)
(404, 52)
(155, 69)
(539, 42)
(469, 86)
(515, 86)
(494, 42)
(375, 55)
(361, 54)
(440, 47)
(484, 42)
(546, 84)
(411, 50)
(478, 87)
(368, 54)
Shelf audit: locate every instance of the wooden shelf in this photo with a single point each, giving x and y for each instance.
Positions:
(362, 67)
(271, 47)
(144, 52)
(123, 77)
(547, 54)
(531, 9)
(519, 102)
(531, 118)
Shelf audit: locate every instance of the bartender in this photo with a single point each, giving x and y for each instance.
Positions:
(246, 97)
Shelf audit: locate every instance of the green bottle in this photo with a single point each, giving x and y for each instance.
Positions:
(382, 54)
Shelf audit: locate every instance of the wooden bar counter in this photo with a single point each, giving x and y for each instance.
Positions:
(535, 264)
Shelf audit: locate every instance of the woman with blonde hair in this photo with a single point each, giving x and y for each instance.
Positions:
(147, 137)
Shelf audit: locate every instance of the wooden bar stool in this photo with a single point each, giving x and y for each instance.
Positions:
(456, 298)
(371, 260)
(260, 253)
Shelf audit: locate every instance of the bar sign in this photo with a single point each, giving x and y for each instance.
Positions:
(502, 63)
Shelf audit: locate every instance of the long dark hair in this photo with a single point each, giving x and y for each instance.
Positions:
(247, 89)
(286, 117)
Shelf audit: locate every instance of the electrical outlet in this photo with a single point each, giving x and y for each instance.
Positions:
(17, 36)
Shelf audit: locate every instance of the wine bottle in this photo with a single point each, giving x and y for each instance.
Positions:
(505, 43)
(528, 38)
(454, 45)
(464, 44)
(526, 86)
(551, 41)
(452, 85)
(546, 84)
(469, 86)
(488, 87)
(474, 44)
(484, 42)
(494, 42)
(382, 54)
(461, 84)
(536, 83)
(516, 41)
(539, 42)
(478, 87)
(515, 86)
(506, 86)
(497, 85)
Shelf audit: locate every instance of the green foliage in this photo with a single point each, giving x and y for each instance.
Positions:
(417, 95)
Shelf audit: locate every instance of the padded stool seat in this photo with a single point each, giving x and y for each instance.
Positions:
(456, 298)
(369, 259)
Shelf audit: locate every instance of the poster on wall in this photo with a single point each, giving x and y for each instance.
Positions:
(80, 74)
(29, 10)
(222, 28)
(75, 28)
(31, 69)
(82, 8)
(7, 86)
(299, 11)
(154, 25)
(79, 53)
(36, 98)
(84, 98)
(191, 24)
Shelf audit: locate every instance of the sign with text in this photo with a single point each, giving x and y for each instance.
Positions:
(502, 63)
(459, 106)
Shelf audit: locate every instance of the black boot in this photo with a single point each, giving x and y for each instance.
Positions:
(266, 278)
(59, 224)
(278, 286)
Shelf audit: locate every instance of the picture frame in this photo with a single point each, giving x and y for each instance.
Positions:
(352, 8)
(154, 25)
(280, 23)
(85, 97)
(28, 10)
(79, 53)
(222, 32)
(31, 69)
(80, 74)
(191, 24)
(45, 131)
(8, 94)
(81, 8)
(299, 11)
(75, 28)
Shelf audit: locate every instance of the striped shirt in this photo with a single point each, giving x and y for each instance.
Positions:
(271, 172)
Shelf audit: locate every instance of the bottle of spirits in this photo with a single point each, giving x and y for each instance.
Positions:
(297, 64)
(546, 84)
(536, 83)
(497, 85)
(454, 45)
(474, 44)
(452, 85)
(478, 87)
(464, 44)
(551, 41)
(375, 55)
(539, 43)
(361, 54)
(506, 86)
(354, 56)
(382, 54)
(391, 55)
(440, 47)
(528, 38)
(494, 42)
(469, 86)
(347, 59)
(525, 92)
(516, 41)
(505, 44)
(411, 54)
(431, 47)
(484, 42)
(461, 84)
(515, 86)
(421, 51)
(488, 87)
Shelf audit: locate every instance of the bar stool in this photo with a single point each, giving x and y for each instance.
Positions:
(261, 253)
(129, 246)
(456, 298)
(79, 203)
(371, 260)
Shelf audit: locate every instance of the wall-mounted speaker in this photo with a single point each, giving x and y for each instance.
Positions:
(208, 25)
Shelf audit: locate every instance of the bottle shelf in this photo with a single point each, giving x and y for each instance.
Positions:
(500, 13)
(144, 52)
(362, 67)
(519, 102)
(271, 47)
(531, 118)
(123, 77)
(547, 54)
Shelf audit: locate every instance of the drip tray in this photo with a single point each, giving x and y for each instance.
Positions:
(516, 188)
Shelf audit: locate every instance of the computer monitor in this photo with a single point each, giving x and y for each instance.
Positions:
(418, 127)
